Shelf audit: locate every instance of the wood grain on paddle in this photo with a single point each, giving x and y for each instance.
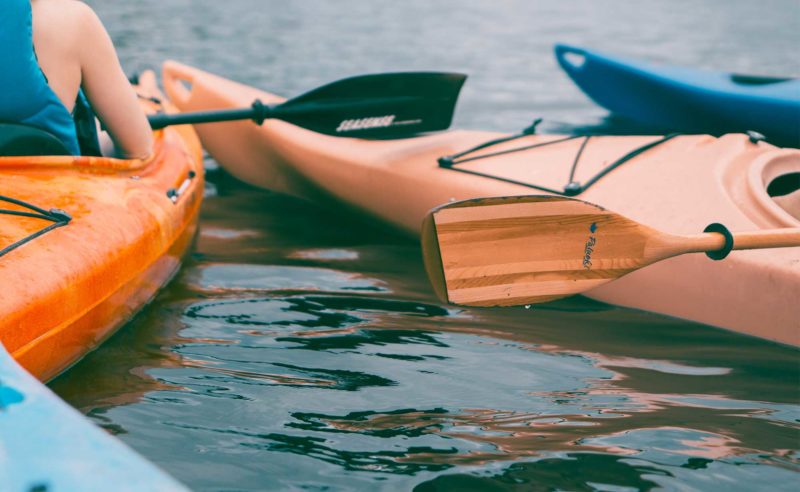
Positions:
(532, 249)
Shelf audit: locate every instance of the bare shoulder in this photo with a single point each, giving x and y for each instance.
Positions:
(71, 16)
(71, 28)
(69, 8)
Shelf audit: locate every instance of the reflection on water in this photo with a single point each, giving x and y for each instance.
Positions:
(300, 349)
(269, 367)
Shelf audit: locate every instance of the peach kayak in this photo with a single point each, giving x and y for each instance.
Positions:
(85, 242)
(678, 184)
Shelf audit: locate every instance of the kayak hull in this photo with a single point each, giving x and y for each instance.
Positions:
(685, 99)
(679, 186)
(75, 285)
(47, 445)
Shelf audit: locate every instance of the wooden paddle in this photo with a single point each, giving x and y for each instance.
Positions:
(532, 249)
(385, 105)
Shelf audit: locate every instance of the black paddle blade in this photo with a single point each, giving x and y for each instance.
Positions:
(389, 105)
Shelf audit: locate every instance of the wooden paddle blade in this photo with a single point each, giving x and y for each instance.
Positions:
(530, 249)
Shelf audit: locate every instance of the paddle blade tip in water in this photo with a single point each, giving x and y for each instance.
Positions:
(432, 257)
(527, 249)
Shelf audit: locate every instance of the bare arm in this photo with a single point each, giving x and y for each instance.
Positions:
(108, 90)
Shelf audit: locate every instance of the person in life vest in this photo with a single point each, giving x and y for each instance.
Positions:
(58, 68)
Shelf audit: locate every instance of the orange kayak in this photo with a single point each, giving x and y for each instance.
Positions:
(677, 184)
(83, 274)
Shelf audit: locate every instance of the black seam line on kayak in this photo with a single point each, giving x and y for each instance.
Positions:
(59, 218)
(572, 188)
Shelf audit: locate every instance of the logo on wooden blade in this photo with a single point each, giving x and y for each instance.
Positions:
(589, 249)
(366, 123)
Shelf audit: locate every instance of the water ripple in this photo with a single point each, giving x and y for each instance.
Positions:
(302, 349)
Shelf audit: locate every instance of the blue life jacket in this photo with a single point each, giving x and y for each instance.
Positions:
(25, 96)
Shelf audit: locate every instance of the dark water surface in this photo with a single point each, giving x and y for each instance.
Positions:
(301, 350)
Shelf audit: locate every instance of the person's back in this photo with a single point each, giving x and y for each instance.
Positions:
(73, 51)
(25, 96)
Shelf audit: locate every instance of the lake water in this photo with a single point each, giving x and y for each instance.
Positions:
(299, 349)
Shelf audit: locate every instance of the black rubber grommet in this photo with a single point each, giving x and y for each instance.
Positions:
(573, 189)
(445, 162)
(531, 130)
(60, 215)
(720, 254)
(261, 112)
(755, 137)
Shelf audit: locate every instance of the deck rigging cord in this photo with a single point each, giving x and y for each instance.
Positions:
(58, 217)
(571, 188)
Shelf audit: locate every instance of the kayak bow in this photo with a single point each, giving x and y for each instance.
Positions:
(685, 99)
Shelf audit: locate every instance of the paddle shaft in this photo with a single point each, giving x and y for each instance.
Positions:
(258, 112)
(769, 238)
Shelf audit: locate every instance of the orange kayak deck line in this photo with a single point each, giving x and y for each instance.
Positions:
(679, 186)
(67, 290)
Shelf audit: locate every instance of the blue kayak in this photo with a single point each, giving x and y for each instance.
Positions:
(47, 445)
(685, 99)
